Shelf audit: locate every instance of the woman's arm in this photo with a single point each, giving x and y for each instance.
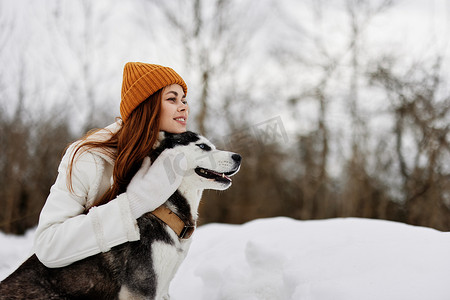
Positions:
(64, 234)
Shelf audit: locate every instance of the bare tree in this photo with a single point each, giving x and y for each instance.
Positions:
(330, 63)
(215, 37)
(30, 148)
(358, 197)
(14, 160)
(85, 76)
(421, 112)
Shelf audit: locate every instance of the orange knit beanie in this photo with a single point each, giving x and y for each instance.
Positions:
(141, 80)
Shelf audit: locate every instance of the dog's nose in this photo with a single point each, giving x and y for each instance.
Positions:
(236, 157)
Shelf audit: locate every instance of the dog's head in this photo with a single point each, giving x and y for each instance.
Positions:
(207, 167)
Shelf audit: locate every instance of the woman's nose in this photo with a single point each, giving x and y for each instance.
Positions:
(182, 107)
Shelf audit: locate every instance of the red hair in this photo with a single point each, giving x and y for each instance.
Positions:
(132, 142)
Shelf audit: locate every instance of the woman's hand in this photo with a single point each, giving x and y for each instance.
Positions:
(154, 183)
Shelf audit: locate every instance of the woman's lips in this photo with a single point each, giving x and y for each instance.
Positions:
(181, 120)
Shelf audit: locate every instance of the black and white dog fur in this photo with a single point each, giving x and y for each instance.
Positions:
(141, 269)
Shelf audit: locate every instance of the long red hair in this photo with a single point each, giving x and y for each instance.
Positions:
(128, 146)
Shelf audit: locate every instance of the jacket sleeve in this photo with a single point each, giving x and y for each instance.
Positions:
(64, 234)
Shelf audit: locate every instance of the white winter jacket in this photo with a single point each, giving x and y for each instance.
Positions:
(64, 234)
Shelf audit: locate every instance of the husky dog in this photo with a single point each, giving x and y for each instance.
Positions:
(141, 269)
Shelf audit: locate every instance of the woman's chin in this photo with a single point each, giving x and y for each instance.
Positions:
(175, 130)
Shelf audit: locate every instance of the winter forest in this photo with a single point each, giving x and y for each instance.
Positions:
(340, 108)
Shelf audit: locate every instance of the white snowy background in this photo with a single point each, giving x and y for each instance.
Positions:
(278, 258)
(281, 258)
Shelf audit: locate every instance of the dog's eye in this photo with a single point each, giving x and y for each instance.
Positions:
(204, 147)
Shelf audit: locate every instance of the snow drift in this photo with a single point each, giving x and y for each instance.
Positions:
(282, 258)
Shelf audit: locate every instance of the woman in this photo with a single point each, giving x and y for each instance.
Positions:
(106, 180)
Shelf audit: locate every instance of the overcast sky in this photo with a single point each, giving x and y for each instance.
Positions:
(29, 32)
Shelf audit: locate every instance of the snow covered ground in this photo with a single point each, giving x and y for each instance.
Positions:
(282, 258)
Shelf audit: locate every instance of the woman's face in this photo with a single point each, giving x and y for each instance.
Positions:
(174, 109)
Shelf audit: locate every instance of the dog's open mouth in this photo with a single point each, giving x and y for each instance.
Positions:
(210, 174)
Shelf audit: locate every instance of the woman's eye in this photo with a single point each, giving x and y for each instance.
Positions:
(172, 99)
(184, 102)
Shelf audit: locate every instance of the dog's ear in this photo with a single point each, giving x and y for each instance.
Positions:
(162, 142)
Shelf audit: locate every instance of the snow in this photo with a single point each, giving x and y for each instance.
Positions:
(283, 258)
